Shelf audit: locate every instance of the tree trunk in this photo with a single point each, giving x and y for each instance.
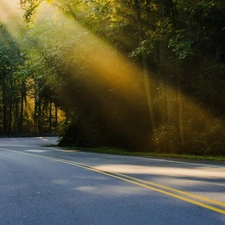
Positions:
(10, 106)
(50, 117)
(4, 107)
(147, 83)
(23, 96)
(180, 104)
(56, 119)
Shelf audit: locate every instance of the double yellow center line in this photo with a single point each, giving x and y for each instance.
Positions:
(207, 203)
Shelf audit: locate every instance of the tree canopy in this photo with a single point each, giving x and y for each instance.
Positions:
(141, 75)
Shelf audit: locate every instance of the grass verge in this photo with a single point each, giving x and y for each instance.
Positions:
(118, 151)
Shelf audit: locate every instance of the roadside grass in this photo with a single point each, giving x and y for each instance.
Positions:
(118, 151)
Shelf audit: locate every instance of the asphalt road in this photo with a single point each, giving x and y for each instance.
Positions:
(51, 186)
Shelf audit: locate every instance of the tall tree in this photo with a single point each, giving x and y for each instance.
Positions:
(9, 61)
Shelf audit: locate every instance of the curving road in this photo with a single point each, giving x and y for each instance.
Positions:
(51, 186)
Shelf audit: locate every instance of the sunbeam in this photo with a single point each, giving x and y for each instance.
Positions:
(108, 65)
(10, 10)
(173, 117)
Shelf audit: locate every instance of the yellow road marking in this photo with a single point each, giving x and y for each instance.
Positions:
(177, 191)
(140, 182)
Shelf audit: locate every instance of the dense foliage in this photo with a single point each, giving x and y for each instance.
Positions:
(145, 75)
(25, 109)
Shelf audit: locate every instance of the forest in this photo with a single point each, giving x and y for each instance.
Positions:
(141, 75)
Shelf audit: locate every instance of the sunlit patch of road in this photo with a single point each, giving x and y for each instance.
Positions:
(36, 150)
(199, 172)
